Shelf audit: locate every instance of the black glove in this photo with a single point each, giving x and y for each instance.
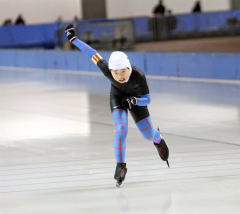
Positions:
(129, 102)
(70, 33)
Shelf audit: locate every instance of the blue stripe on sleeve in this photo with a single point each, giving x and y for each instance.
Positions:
(144, 100)
(85, 48)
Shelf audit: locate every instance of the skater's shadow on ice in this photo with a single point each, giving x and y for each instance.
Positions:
(123, 204)
(167, 205)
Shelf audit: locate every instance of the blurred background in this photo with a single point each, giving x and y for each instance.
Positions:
(137, 26)
(127, 24)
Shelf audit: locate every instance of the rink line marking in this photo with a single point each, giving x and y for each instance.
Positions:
(189, 79)
(113, 184)
(202, 139)
(89, 164)
(166, 174)
(132, 156)
(100, 173)
(70, 170)
(106, 124)
(57, 71)
(94, 73)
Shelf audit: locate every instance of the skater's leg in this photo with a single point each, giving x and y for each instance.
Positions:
(121, 122)
(120, 119)
(147, 130)
(143, 121)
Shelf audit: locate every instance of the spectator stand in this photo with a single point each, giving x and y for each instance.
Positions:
(187, 26)
(121, 34)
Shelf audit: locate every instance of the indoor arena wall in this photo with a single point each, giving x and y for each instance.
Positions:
(177, 64)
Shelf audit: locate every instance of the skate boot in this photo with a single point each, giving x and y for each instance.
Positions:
(120, 173)
(163, 150)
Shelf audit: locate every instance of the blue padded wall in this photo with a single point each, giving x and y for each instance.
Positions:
(226, 66)
(22, 36)
(177, 64)
(7, 58)
(163, 64)
(29, 59)
(238, 66)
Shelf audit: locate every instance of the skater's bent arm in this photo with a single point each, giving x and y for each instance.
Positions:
(144, 100)
(142, 82)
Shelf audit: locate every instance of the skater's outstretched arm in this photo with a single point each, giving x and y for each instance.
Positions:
(85, 48)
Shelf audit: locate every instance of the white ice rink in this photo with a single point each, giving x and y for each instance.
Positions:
(56, 147)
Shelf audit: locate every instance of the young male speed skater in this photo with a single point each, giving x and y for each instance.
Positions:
(129, 92)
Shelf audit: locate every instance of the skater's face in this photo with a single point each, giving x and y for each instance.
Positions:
(121, 75)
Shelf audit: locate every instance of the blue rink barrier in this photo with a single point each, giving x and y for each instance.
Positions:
(174, 64)
(29, 36)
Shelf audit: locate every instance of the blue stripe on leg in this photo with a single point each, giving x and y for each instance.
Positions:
(121, 123)
(147, 130)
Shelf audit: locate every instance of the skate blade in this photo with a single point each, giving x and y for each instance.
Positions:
(118, 184)
(167, 163)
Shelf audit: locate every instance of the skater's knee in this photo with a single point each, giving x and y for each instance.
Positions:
(121, 130)
(122, 127)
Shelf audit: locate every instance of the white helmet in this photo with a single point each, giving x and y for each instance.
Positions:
(119, 60)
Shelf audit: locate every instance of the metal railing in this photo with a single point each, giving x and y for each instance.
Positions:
(103, 34)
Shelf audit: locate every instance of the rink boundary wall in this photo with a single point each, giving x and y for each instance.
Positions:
(6, 69)
(168, 64)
